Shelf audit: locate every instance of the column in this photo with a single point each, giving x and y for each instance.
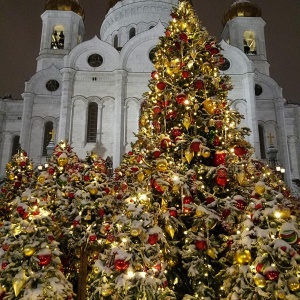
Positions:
(26, 121)
(282, 140)
(65, 106)
(6, 141)
(120, 96)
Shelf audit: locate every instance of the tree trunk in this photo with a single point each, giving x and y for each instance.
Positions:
(82, 274)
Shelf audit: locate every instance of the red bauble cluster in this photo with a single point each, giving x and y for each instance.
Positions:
(240, 151)
(153, 239)
(161, 85)
(121, 265)
(199, 84)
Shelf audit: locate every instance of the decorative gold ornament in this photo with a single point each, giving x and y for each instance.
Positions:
(206, 68)
(260, 188)
(240, 177)
(243, 257)
(9, 165)
(172, 262)
(134, 231)
(280, 294)
(285, 213)
(161, 165)
(28, 251)
(211, 252)
(18, 282)
(93, 191)
(141, 177)
(96, 270)
(11, 176)
(41, 179)
(62, 160)
(186, 121)
(205, 153)
(199, 212)
(210, 106)
(293, 284)
(170, 230)
(188, 155)
(106, 292)
(260, 281)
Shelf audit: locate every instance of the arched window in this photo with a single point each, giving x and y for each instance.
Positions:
(15, 145)
(151, 27)
(92, 122)
(116, 41)
(249, 42)
(58, 37)
(261, 134)
(132, 33)
(47, 136)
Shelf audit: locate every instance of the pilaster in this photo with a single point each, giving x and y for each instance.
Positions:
(26, 120)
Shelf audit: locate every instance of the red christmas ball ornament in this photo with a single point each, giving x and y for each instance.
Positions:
(165, 103)
(219, 124)
(101, 212)
(168, 33)
(201, 245)
(272, 274)
(156, 126)
(171, 115)
(165, 143)
(159, 188)
(156, 153)
(23, 164)
(44, 259)
(240, 151)
(195, 145)
(157, 267)
(75, 223)
(183, 37)
(86, 178)
(225, 213)
(156, 110)
(134, 169)
(175, 132)
(217, 141)
(221, 178)
(185, 74)
(51, 238)
(154, 75)
(51, 170)
(4, 265)
(199, 84)
(229, 243)
(20, 210)
(161, 85)
(210, 199)
(110, 238)
(121, 265)
(173, 212)
(181, 98)
(219, 158)
(93, 237)
(25, 215)
(3, 190)
(214, 50)
(71, 195)
(207, 46)
(240, 203)
(153, 239)
(17, 184)
(19, 177)
(187, 200)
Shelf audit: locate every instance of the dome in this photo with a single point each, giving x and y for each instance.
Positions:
(65, 5)
(241, 8)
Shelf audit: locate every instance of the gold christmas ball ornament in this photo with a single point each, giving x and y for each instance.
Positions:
(93, 191)
(62, 160)
(279, 294)
(199, 212)
(243, 257)
(8, 165)
(161, 165)
(260, 281)
(135, 231)
(206, 68)
(172, 262)
(105, 292)
(210, 106)
(285, 213)
(41, 179)
(96, 270)
(141, 177)
(205, 153)
(11, 176)
(260, 188)
(293, 284)
(28, 251)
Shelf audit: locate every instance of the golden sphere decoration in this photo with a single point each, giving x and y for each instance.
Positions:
(285, 213)
(28, 251)
(134, 231)
(96, 270)
(9, 165)
(260, 188)
(11, 176)
(62, 160)
(293, 284)
(210, 106)
(243, 257)
(161, 165)
(172, 262)
(106, 292)
(205, 153)
(188, 155)
(206, 68)
(199, 212)
(24, 179)
(41, 179)
(148, 171)
(141, 177)
(93, 191)
(280, 294)
(260, 281)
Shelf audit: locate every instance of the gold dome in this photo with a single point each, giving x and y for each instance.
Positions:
(65, 5)
(241, 8)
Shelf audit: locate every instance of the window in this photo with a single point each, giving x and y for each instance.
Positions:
(132, 33)
(92, 122)
(262, 142)
(95, 60)
(116, 41)
(258, 90)
(249, 42)
(52, 85)
(152, 55)
(58, 37)
(47, 136)
(15, 145)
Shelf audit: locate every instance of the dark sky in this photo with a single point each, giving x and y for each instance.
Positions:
(20, 25)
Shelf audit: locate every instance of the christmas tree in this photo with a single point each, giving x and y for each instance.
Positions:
(194, 207)
(29, 254)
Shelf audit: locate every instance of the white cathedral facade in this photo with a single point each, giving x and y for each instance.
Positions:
(90, 92)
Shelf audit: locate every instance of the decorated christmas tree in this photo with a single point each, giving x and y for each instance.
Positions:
(29, 254)
(195, 210)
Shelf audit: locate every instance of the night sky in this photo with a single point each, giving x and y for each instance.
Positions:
(21, 26)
